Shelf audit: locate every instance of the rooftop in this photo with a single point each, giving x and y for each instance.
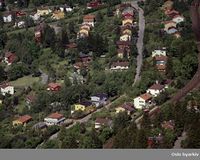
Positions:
(55, 115)
(157, 86)
(24, 119)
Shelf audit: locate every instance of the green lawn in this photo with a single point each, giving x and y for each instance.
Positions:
(24, 81)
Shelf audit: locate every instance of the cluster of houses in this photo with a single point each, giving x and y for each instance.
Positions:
(146, 100)
(56, 13)
(170, 27)
(157, 140)
(125, 42)
(52, 119)
(94, 4)
(88, 106)
(160, 59)
(86, 26)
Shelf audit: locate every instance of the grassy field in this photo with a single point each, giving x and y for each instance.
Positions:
(24, 81)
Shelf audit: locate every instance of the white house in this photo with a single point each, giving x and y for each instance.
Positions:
(125, 37)
(99, 99)
(171, 30)
(119, 66)
(54, 119)
(142, 101)
(65, 8)
(102, 122)
(7, 17)
(20, 24)
(178, 19)
(6, 89)
(35, 17)
(156, 89)
(159, 52)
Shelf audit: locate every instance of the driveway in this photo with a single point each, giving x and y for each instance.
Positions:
(44, 77)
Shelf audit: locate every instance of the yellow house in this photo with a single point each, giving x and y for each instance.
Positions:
(119, 109)
(127, 31)
(85, 106)
(127, 20)
(83, 33)
(23, 120)
(126, 107)
(125, 37)
(43, 11)
(58, 15)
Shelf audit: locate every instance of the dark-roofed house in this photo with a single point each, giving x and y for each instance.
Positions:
(126, 107)
(99, 99)
(156, 89)
(85, 106)
(10, 58)
(103, 122)
(161, 62)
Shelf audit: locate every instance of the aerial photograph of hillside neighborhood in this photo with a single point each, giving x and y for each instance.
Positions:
(99, 74)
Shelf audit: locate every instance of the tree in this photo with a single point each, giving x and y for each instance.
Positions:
(1, 20)
(51, 144)
(49, 37)
(67, 82)
(3, 74)
(18, 71)
(121, 121)
(141, 139)
(91, 141)
(3, 39)
(64, 37)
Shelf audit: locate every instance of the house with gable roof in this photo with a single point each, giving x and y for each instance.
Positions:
(143, 101)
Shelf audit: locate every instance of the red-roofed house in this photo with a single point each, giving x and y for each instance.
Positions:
(10, 58)
(168, 125)
(89, 19)
(142, 101)
(94, 4)
(54, 87)
(20, 14)
(54, 119)
(23, 120)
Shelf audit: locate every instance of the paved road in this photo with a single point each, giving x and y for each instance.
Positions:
(83, 120)
(138, 120)
(177, 144)
(44, 77)
(139, 41)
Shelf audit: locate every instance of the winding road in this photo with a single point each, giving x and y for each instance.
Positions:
(139, 41)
